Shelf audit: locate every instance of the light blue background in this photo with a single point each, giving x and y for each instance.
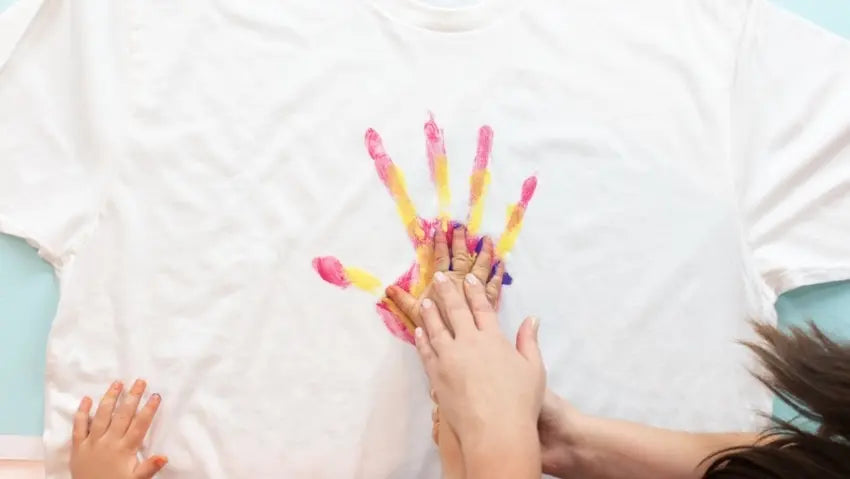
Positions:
(28, 291)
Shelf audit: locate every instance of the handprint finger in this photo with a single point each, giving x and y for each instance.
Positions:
(438, 166)
(332, 271)
(393, 178)
(479, 179)
(516, 213)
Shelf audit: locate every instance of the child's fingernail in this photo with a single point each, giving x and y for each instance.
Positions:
(440, 277)
(116, 386)
(160, 461)
(138, 387)
(427, 304)
(471, 279)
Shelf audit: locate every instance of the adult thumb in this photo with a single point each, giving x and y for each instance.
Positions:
(526, 340)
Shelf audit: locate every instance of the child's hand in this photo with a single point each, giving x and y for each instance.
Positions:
(106, 447)
(455, 263)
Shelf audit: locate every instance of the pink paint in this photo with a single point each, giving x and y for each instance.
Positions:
(406, 280)
(431, 227)
(330, 269)
(375, 147)
(393, 323)
(528, 187)
(434, 145)
(485, 146)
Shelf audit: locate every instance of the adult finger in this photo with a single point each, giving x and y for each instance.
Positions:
(483, 313)
(426, 352)
(103, 416)
(406, 303)
(435, 424)
(453, 305)
(150, 466)
(526, 340)
(437, 333)
(442, 260)
(483, 262)
(494, 286)
(127, 409)
(435, 433)
(461, 259)
(142, 422)
(81, 422)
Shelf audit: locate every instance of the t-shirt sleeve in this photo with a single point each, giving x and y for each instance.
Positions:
(790, 147)
(49, 184)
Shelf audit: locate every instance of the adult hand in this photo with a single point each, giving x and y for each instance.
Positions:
(107, 447)
(490, 391)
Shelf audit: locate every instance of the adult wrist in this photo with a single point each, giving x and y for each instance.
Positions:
(507, 450)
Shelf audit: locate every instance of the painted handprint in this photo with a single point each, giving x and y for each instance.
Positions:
(420, 230)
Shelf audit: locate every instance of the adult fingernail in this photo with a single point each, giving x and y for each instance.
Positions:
(440, 277)
(418, 332)
(427, 304)
(471, 279)
(535, 324)
(155, 398)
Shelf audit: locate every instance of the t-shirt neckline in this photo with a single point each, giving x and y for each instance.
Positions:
(446, 19)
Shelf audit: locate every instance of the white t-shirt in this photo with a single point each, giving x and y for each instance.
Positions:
(182, 163)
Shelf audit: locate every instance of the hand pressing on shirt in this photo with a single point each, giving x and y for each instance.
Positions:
(490, 391)
(461, 262)
(106, 446)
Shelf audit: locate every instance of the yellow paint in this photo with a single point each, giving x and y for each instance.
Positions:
(478, 182)
(444, 194)
(425, 261)
(509, 236)
(361, 279)
(406, 210)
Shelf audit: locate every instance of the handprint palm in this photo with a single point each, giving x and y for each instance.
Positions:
(420, 230)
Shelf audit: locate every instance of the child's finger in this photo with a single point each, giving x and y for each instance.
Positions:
(127, 409)
(150, 466)
(81, 422)
(103, 416)
(461, 259)
(494, 286)
(482, 266)
(442, 260)
(142, 422)
(406, 303)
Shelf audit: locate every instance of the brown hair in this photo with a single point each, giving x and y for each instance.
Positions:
(811, 373)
